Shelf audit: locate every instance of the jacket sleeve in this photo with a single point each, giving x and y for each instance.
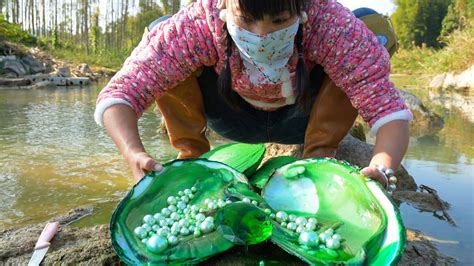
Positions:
(354, 60)
(168, 54)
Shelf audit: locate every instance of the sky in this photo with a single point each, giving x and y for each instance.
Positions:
(381, 6)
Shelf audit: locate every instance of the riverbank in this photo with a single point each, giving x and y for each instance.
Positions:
(35, 64)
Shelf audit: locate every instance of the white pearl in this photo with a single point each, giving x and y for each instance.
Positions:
(197, 233)
(187, 191)
(158, 217)
(147, 227)
(171, 200)
(281, 216)
(300, 229)
(301, 221)
(330, 231)
(174, 216)
(200, 217)
(212, 206)
(184, 231)
(220, 204)
(163, 223)
(194, 208)
(175, 230)
(207, 201)
(313, 220)
(209, 219)
(181, 205)
(164, 232)
(332, 243)
(272, 216)
(173, 208)
(140, 232)
(157, 244)
(191, 196)
(165, 212)
(180, 193)
(310, 226)
(172, 240)
(149, 219)
(267, 211)
(192, 228)
(392, 180)
(183, 223)
(228, 202)
(323, 237)
(291, 226)
(144, 240)
(308, 238)
(193, 189)
(185, 199)
(206, 226)
(291, 217)
(284, 224)
(155, 227)
(169, 221)
(246, 200)
(336, 237)
(254, 202)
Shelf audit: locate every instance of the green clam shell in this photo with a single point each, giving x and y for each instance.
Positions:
(245, 158)
(212, 180)
(260, 178)
(338, 196)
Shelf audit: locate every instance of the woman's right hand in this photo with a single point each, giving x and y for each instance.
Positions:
(141, 164)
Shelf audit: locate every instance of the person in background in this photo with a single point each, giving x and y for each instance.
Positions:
(282, 71)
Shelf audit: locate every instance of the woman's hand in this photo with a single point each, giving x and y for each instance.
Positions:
(141, 163)
(375, 174)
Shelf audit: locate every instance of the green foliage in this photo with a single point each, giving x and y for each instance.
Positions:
(460, 13)
(13, 33)
(419, 22)
(456, 56)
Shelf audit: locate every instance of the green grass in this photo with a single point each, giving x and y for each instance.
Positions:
(456, 57)
(112, 59)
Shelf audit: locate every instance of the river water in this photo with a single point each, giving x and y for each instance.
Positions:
(53, 158)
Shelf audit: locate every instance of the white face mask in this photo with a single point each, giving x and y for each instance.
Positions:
(268, 53)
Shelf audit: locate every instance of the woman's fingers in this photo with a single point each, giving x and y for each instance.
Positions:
(375, 174)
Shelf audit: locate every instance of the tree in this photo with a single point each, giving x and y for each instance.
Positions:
(418, 22)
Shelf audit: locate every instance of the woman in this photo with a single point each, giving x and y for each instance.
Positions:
(262, 51)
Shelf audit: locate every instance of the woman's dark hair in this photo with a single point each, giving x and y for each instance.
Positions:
(257, 9)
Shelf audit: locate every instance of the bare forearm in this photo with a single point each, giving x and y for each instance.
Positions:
(391, 144)
(121, 124)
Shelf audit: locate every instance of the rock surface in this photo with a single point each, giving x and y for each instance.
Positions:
(92, 246)
(424, 120)
(449, 80)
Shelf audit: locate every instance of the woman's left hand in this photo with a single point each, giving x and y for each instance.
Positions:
(375, 174)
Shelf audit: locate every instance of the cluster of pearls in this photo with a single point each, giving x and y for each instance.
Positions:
(306, 228)
(176, 221)
(390, 176)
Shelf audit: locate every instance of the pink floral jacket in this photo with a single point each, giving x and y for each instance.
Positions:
(196, 37)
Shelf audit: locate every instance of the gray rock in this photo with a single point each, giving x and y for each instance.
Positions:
(85, 69)
(449, 80)
(424, 121)
(11, 64)
(33, 65)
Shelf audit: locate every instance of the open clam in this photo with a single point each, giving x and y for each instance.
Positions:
(158, 193)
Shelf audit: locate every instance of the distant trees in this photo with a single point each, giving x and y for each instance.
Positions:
(422, 22)
(92, 25)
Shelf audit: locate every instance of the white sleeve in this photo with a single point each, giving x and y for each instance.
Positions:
(103, 105)
(399, 115)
